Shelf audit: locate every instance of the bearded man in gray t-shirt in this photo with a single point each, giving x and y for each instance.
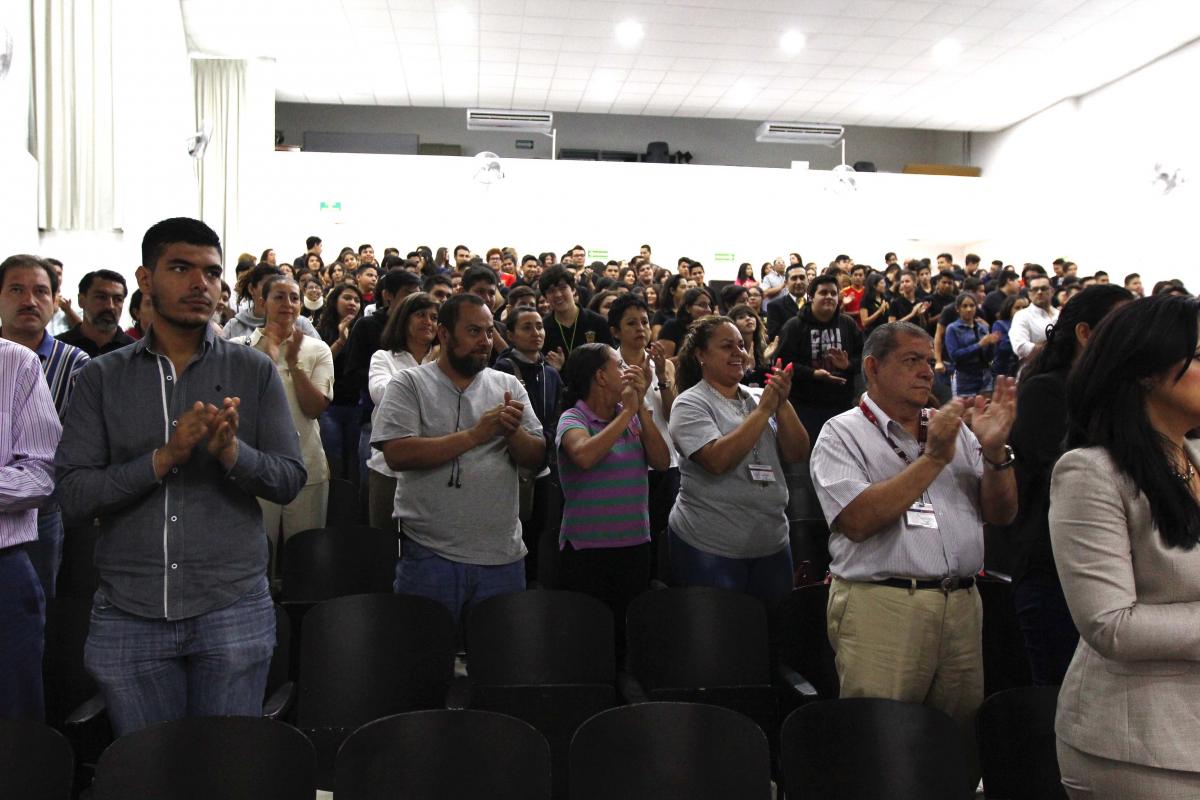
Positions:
(457, 432)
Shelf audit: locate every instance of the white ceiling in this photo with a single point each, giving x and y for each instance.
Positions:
(866, 62)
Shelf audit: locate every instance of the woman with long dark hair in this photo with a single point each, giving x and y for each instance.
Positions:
(696, 303)
(673, 290)
(1124, 524)
(342, 420)
(754, 337)
(873, 310)
(425, 263)
(745, 275)
(1006, 361)
(1037, 439)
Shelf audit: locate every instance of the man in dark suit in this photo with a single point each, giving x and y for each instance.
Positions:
(787, 305)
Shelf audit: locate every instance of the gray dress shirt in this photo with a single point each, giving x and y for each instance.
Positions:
(851, 454)
(193, 542)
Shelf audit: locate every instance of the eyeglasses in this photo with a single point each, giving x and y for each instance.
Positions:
(1039, 289)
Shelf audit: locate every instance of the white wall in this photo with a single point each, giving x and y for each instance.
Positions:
(154, 116)
(1077, 177)
(710, 141)
(698, 211)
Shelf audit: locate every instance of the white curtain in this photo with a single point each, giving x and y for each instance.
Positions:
(73, 114)
(222, 101)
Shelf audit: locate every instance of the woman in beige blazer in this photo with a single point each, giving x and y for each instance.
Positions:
(1124, 522)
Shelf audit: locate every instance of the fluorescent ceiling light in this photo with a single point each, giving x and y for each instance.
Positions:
(792, 42)
(946, 52)
(629, 32)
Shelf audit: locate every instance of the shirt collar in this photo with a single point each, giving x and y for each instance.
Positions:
(889, 424)
(146, 343)
(46, 347)
(590, 415)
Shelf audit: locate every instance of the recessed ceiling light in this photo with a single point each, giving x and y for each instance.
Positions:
(792, 42)
(946, 52)
(454, 21)
(630, 32)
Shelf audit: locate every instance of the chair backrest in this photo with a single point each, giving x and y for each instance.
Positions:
(78, 576)
(865, 748)
(36, 762)
(344, 507)
(428, 755)
(649, 751)
(323, 563)
(1017, 749)
(697, 637)
(209, 758)
(65, 681)
(367, 656)
(540, 637)
(800, 638)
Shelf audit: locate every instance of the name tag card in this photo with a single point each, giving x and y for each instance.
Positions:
(762, 473)
(920, 515)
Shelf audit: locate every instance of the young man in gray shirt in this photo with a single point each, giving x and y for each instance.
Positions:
(457, 432)
(170, 442)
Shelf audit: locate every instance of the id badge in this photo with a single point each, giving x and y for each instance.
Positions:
(920, 515)
(763, 473)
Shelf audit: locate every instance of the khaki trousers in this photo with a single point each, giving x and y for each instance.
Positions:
(917, 646)
(306, 511)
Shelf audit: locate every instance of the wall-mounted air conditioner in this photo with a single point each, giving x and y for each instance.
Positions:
(487, 119)
(799, 133)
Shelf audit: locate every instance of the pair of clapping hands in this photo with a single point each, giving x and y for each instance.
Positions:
(202, 422)
(990, 421)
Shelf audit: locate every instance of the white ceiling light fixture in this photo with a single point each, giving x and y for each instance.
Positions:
(488, 169)
(629, 33)
(843, 181)
(946, 52)
(792, 42)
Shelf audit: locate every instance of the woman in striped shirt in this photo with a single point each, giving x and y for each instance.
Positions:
(606, 438)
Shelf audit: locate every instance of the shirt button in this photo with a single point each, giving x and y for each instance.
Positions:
(170, 378)
(174, 470)
(174, 422)
(174, 518)
(174, 566)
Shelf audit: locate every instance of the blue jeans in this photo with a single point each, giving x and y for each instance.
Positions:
(340, 426)
(156, 670)
(46, 552)
(22, 622)
(455, 585)
(769, 578)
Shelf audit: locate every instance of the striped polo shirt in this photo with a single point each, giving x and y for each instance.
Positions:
(604, 506)
(61, 363)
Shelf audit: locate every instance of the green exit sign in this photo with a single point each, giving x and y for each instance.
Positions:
(327, 205)
(723, 257)
(597, 255)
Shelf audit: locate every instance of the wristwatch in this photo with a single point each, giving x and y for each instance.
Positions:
(1009, 460)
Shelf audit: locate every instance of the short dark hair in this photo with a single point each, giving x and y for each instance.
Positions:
(971, 259)
(971, 284)
(946, 256)
(391, 261)
(622, 304)
(102, 275)
(842, 257)
(439, 279)
(23, 260)
(458, 247)
(1131, 277)
(529, 257)
(448, 314)
(1100, 272)
(478, 273)
(392, 282)
(859, 268)
(176, 230)
(363, 268)
(311, 242)
(362, 247)
(821, 280)
(552, 276)
(1005, 277)
(946, 274)
(514, 313)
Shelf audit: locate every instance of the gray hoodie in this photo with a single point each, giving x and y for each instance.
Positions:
(245, 323)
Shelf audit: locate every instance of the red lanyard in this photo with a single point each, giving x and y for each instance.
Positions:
(922, 431)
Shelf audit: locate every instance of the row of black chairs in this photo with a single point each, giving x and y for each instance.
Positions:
(852, 748)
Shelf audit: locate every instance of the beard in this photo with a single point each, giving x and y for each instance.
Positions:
(184, 323)
(469, 365)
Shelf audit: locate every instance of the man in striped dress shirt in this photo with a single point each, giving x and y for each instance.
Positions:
(29, 433)
(28, 295)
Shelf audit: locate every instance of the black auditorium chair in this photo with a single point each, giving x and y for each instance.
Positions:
(430, 755)
(208, 758)
(1017, 751)
(800, 643)
(369, 656)
(344, 507)
(866, 748)
(652, 751)
(701, 645)
(74, 705)
(545, 657)
(35, 761)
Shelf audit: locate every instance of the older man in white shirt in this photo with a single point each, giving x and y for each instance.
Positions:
(1029, 324)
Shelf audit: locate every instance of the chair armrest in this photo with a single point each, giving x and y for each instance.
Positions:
(87, 711)
(795, 682)
(630, 690)
(280, 701)
(458, 696)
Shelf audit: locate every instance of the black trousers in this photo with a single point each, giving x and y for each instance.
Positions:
(614, 575)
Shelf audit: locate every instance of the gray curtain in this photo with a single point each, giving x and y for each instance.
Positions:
(222, 100)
